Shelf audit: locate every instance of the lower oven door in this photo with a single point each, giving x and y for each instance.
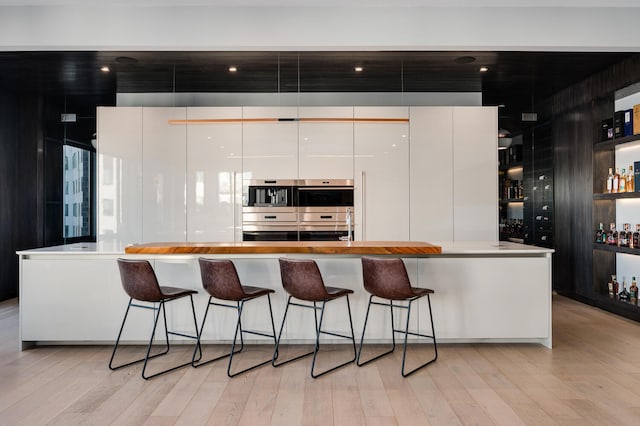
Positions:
(269, 232)
(323, 233)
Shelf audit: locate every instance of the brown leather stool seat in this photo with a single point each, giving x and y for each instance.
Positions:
(302, 280)
(387, 278)
(220, 280)
(140, 283)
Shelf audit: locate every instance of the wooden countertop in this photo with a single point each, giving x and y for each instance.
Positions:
(409, 248)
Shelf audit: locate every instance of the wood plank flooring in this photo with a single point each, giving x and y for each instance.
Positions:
(591, 377)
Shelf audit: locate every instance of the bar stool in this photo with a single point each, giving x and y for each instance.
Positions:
(141, 284)
(220, 280)
(388, 279)
(302, 280)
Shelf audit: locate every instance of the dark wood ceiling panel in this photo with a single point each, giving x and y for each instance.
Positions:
(515, 79)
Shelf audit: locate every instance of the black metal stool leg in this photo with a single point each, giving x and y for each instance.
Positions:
(239, 331)
(407, 332)
(167, 332)
(124, 320)
(319, 330)
(195, 324)
(197, 362)
(153, 333)
(275, 353)
(393, 334)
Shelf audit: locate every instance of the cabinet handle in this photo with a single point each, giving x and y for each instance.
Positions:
(233, 204)
(364, 207)
(271, 217)
(326, 217)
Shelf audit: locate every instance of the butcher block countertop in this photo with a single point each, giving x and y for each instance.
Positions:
(406, 248)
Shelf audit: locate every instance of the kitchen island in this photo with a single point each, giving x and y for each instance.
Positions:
(484, 292)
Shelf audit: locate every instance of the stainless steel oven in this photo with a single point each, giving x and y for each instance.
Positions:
(269, 224)
(324, 193)
(269, 193)
(289, 210)
(324, 223)
(269, 212)
(325, 209)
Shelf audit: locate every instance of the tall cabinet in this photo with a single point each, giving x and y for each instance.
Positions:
(119, 174)
(270, 142)
(176, 174)
(164, 215)
(381, 157)
(214, 174)
(431, 168)
(325, 143)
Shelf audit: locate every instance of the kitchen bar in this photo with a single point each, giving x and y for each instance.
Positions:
(484, 292)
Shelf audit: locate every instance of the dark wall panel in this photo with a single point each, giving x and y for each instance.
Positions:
(8, 181)
(577, 112)
(19, 180)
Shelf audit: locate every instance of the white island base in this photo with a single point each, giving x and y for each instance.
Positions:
(484, 292)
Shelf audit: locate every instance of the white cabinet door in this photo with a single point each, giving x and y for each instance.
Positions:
(214, 181)
(475, 176)
(382, 175)
(163, 175)
(325, 147)
(431, 164)
(119, 191)
(270, 147)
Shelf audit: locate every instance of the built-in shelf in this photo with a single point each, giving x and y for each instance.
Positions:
(610, 144)
(512, 200)
(606, 209)
(616, 195)
(613, 304)
(515, 165)
(616, 249)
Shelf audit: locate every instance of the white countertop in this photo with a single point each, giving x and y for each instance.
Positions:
(448, 248)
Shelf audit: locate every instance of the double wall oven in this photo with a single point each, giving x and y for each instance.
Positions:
(291, 210)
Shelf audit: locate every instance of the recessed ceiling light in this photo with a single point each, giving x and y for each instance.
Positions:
(233, 69)
(484, 69)
(105, 69)
(126, 60)
(464, 59)
(358, 69)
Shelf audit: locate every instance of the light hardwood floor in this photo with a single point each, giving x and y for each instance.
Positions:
(592, 376)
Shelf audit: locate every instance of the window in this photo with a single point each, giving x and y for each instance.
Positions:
(77, 188)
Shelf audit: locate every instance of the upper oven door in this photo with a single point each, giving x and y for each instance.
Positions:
(268, 193)
(325, 193)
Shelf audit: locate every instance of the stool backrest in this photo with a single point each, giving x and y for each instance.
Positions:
(220, 279)
(139, 280)
(386, 278)
(301, 278)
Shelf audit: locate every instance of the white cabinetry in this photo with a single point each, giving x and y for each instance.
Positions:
(214, 175)
(270, 148)
(381, 195)
(325, 147)
(163, 175)
(475, 181)
(119, 190)
(431, 166)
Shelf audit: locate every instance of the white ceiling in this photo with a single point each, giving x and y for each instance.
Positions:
(334, 3)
